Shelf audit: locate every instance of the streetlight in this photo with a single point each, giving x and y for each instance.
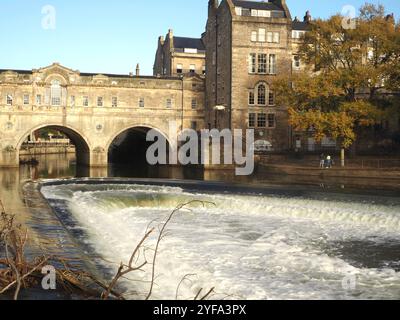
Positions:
(218, 108)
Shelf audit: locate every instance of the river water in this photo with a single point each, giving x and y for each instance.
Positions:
(273, 243)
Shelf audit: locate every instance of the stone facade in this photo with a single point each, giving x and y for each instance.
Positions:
(92, 109)
(249, 44)
(222, 80)
(176, 56)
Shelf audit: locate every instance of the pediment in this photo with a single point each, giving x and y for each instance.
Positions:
(56, 71)
(100, 79)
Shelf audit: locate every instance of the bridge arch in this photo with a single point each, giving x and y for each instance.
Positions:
(79, 139)
(129, 144)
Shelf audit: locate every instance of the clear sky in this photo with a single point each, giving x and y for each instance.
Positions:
(111, 36)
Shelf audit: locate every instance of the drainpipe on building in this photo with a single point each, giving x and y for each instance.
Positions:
(183, 101)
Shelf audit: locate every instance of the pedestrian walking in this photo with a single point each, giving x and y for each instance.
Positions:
(322, 161)
(328, 162)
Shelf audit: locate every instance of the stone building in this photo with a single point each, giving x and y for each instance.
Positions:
(221, 80)
(179, 55)
(93, 109)
(248, 44)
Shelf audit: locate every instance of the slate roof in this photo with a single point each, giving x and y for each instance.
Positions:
(17, 71)
(300, 25)
(258, 5)
(189, 43)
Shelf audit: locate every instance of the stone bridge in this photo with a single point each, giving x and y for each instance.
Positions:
(93, 110)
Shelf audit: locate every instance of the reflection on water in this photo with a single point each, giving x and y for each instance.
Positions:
(57, 166)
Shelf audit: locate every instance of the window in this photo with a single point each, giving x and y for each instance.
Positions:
(190, 50)
(276, 38)
(193, 125)
(261, 94)
(246, 12)
(85, 101)
(72, 101)
(192, 68)
(298, 34)
(9, 100)
(26, 99)
(296, 62)
(261, 35)
(269, 37)
(251, 98)
(141, 103)
(271, 120)
(179, 68)
(55, 93)
(254, 36)
(261, 120)
(272, 64)
(271, 98)
(262, 63)
(252, 63)
(99, 101)
(169, 103)
(260, 13)
(194, 103)
(252, 120)
(204, 70)
(114, 102)
(38, 99)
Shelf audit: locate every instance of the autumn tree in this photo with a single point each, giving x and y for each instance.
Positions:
(347, 70)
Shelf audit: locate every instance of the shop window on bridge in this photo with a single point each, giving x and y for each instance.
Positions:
(72, 101)
(38, 99)
(169, 103)
(99, 101)
(114, 102)
(55, 93)
(141, 103)
(9, 100)
(194, 104)
(26, 99)
(85, 101)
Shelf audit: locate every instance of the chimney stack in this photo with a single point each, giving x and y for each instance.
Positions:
(137, 70)
(307, 17)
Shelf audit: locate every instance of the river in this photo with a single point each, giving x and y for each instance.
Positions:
(316, 241)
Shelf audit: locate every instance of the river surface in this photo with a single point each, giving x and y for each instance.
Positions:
(248, 245)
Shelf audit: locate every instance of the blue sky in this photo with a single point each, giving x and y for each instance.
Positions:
(112, 36)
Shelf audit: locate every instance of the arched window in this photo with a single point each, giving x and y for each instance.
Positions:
(262, 91)
(55, 93)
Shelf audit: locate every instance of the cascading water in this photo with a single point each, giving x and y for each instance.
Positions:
(247, 246)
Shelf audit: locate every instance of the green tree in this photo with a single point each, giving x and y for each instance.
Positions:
(346, 71)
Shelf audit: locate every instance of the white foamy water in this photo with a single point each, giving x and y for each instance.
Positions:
(247, 246)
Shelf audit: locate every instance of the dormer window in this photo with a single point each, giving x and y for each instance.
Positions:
(261, 13)
(190, 50)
